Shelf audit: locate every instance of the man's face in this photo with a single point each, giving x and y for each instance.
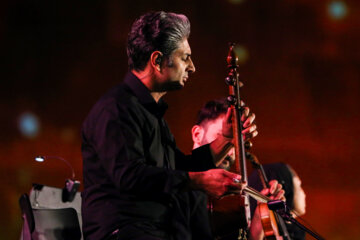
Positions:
(212, 129)
(175, 71)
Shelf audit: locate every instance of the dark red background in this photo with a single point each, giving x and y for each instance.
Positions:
(301, 79)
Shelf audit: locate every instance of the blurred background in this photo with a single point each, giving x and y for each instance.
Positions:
(299, 61)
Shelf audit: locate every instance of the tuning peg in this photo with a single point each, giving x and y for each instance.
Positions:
(248, 145)
(231, 100)
(230, 79)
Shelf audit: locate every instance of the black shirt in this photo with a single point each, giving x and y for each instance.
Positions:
(133, 171)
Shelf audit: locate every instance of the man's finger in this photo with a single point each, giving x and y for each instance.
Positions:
(251, 135)
(250, 129)
(240, 83)
(235, 177)
(235, 181)
(245, 113)
(249, 120)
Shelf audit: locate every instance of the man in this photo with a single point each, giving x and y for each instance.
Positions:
(137, 184)
(208, 127)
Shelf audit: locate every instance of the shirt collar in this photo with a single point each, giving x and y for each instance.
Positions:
(144, 96)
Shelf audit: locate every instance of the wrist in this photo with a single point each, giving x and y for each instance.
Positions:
(195, 180)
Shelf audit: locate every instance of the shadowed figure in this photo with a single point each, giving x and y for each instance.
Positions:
(294, 193)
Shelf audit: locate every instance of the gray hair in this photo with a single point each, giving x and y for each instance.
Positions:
(155, 31)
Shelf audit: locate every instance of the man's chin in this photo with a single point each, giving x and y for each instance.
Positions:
(172, 86)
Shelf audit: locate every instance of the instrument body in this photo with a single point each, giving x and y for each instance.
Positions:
(232, 213)
(270, 220)
(234, 100)
(269, 223)
(230, 216)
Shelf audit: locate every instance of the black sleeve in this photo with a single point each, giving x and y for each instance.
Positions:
(199, 160)
(118, 141)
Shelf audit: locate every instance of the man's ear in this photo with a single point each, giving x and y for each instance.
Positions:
(156, 60)
(197, 133)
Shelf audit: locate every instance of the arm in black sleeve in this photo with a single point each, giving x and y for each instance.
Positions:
(200, 159)
(118, 140)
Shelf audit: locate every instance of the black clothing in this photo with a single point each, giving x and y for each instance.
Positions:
(133, 171)
(281, 173)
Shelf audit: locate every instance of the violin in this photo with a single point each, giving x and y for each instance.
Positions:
(234, 100)
(270, 220)
(230, 216)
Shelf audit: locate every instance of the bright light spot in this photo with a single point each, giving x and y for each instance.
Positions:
(242, 53)
(337, 9)
(29, 125)
(39, 159)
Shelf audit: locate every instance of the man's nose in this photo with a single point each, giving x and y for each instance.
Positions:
(191, 67)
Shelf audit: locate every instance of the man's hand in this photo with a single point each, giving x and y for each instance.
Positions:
(249, 127)
(221, 146)
(275, 191)
(217, 182)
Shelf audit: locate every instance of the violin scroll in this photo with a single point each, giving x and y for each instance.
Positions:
(232, 59)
